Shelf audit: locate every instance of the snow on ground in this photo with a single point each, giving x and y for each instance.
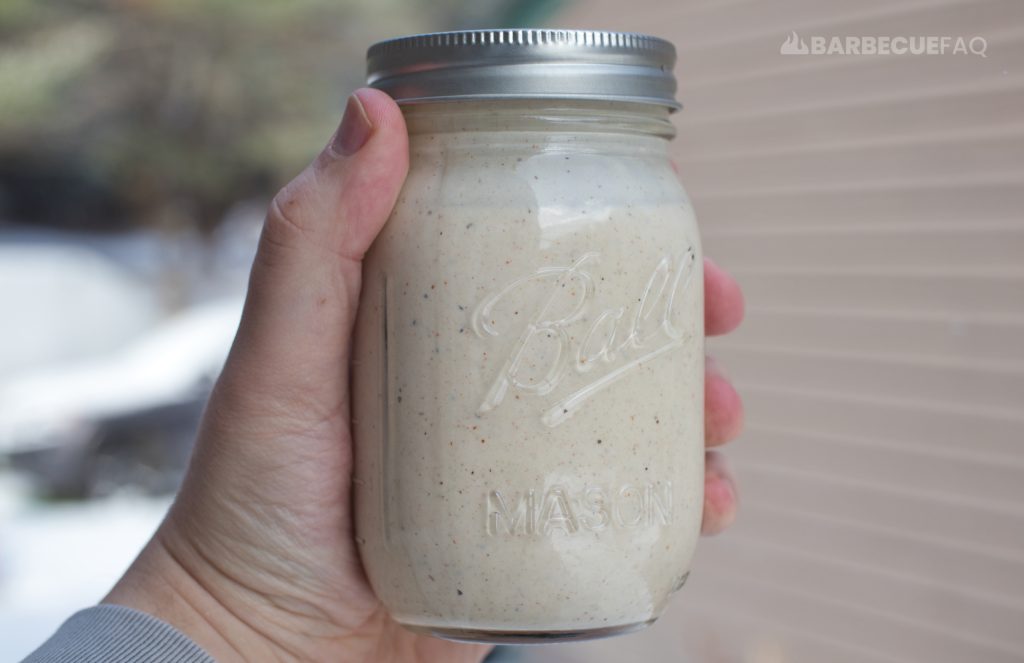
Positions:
(56, 558)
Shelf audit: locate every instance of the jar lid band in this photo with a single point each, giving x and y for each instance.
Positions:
(525, 64)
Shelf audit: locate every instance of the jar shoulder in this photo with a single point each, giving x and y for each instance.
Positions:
(523, 173)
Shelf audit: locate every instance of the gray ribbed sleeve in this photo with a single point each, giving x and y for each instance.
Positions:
(116, 634)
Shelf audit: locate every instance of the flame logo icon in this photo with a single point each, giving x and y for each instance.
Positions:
(794, 45)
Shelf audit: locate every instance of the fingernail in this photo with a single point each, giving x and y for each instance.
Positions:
(355, 128)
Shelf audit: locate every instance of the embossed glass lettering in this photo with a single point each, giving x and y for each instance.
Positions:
(513, 516)
(615, 343)
(629, 506)
(595, 516)
(557, 514)
(560, 511)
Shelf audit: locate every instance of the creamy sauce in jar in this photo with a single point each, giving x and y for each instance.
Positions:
(529, 374)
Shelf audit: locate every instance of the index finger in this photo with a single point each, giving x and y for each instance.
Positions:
(723, 300)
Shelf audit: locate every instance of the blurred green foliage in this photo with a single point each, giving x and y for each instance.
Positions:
(165, 112)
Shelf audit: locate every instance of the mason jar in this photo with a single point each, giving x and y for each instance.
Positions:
(528, 377)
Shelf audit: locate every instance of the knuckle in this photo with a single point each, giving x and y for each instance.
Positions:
(284, 226)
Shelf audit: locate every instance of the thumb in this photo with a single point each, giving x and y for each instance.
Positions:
(304, 286)
(343, 198)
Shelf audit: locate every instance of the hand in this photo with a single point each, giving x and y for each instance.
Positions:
(256, 559)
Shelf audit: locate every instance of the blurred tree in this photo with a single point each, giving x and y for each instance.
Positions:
(163, 113)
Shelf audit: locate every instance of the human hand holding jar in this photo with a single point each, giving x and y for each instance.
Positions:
(518, 453)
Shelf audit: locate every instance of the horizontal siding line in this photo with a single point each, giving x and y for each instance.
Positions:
(892, 96)
(824, 25)
(948, 138)
(955, 187)
(915, 184)
(942, 630)
(888, 402)
(906, 359)
(883, 315)
(737, 612)
(1012, 509)
(913, 190)
(900, 446)
(971, 364)
(807, 147)
(929, 273)
(959, 545)
(925, 582)
(882, 228)
(703, 7)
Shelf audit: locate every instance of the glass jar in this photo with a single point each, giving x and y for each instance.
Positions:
(529, 363)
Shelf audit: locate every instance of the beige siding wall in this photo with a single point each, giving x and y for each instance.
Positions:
(873, 208)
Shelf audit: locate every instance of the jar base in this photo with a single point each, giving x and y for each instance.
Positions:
(496, 637)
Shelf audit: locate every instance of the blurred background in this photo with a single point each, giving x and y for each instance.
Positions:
(871, 206)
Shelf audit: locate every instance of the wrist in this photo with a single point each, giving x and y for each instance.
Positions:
(159, 585)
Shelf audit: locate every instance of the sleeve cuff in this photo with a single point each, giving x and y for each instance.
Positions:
(116, 634)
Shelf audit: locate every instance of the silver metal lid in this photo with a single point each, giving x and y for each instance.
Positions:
(525, 64)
